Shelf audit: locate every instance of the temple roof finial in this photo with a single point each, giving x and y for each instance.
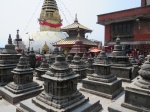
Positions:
(76, 19)
(78, 36)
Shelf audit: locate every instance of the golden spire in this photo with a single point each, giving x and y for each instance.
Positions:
(50, 18)
(45, 48)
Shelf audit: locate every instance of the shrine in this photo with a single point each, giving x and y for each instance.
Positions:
(23, 86)
(79, 67)
(60, 92)
(72, 31)
(136, 96)
(42, 69)
(8, 61)
(102, 82)
(120, 64)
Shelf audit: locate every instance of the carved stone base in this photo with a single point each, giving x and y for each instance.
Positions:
(83, 105)
(107, 90)
(136, 99)
(125, 73)
(21, 88)
(14, 96)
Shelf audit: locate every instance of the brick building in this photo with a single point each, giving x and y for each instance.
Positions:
(131, 25)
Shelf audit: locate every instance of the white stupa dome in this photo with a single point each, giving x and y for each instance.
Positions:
(39, 39)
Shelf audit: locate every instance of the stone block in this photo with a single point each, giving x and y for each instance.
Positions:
(108, 90)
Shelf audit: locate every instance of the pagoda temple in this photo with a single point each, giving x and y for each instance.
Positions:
(72, 31)
(60, 92)
(8, 61)
(79, 47)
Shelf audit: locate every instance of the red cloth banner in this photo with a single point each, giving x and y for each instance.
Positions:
(50, 24)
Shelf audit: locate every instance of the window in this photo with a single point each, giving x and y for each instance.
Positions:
(124, 29)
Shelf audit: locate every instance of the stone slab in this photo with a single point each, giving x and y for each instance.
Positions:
(76, 107)
(6, 106)
(15, 98)
(125, 73)
(135, 99)
(108, 90)
(116, 106)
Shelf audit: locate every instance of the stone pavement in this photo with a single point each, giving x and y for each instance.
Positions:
(7, 107)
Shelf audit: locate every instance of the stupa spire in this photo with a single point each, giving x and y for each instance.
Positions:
(76, 19)
(50, 18)
(9, 39)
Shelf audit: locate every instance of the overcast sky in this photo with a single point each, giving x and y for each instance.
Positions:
(23, 15)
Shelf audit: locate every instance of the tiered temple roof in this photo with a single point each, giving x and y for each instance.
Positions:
(72, 31)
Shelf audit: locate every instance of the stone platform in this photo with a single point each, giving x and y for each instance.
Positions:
(107, 90)
(15, 98)
(134, 95)
(84, 107)
(7, 107)
(125, 73)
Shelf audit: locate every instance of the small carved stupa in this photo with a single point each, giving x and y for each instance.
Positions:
(120, 64)
(32, 58)
(60, 92)
(78, 66)
(69, 58)
(84, 57)
(137, 94)
(8, 61)
(102, 82)
(23, 86)
(89, 64)
(101, 58)
(42, 69)
(50, 18)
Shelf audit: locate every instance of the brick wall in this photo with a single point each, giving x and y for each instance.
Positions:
(124, 13)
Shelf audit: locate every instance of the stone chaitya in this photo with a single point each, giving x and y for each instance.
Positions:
(101, 58)
(102, 82)
(137, 94)
(60, 92)
(50, 62)
(8, 61)
(32, 58)
(89, 65)
(42, 69)
(78, 66)
(69, 58)
(120, 64)
(84, 58)
(23, 86)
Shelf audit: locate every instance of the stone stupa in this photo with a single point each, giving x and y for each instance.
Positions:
(42, 69)
(8, 61)
(23, 86)
(69, 58)
(102, 82)
(120, 64)
(89, 65)
(79, 67)
(60, 92)
(137, 94)
(50, 24)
